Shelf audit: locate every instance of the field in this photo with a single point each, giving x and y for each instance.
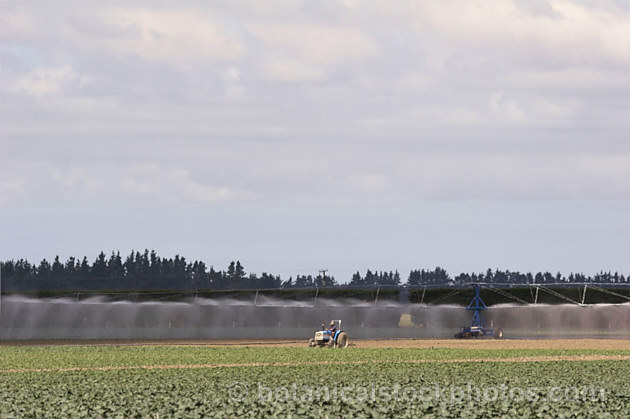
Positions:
(408, 378)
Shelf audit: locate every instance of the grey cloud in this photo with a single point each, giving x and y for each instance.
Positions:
(537, 8)
(95, 27)
(346, 105)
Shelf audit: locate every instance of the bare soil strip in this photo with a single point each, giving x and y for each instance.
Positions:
(594, 344)
(562, 358)
(588, 344)
(177, 343)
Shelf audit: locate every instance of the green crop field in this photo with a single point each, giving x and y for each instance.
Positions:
(171, 381)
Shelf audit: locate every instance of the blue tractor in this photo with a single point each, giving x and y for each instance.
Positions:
(330, 339)
(478, 327)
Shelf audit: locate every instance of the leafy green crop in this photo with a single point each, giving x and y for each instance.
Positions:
(101, 356)
(369, 389)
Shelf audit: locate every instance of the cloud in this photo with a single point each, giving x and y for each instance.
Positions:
(159, 184)
(16, 22)
(12, 190)
(97, 28)
(293, 71)
(47, 81)
(314, 127)
(177, 37)
(146, 183)
(537, 8)
(321, 100)
(309, 52)
(503, 109)
(369, 182)
(569, 34)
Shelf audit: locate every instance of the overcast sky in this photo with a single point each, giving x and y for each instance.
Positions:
(300, 135)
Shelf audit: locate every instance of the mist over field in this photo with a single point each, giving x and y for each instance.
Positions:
(99, 318)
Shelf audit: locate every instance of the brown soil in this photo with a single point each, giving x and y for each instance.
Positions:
(594, 344)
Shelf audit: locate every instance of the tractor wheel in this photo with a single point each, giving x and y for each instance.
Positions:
(311, 343)
(498, 334)
(342, 340)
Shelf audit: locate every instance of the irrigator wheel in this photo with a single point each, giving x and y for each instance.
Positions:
(498, 334)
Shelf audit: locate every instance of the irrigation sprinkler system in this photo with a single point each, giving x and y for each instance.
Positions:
(478, 326)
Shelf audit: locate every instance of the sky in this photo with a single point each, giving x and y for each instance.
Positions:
(299, 135)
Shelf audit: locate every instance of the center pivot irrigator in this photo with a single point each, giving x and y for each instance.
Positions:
(478, 327)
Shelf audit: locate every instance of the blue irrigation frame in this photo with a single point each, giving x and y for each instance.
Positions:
(477, 305)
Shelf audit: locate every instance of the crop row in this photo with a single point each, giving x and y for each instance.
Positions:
(120, 356)
(481, 390)
(471, 389)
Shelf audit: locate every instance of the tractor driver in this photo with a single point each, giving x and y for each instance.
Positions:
(332, 328)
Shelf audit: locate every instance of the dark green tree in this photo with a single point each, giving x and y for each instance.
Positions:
(288, 283)
(44, 269)
(57, 269)
(72, 266)
(156, 264)
(304, 281)
(130, 265)
(239, 271)
(356, 280)
(115, 265)
(99, 268)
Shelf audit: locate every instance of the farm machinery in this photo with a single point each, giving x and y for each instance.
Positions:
(478, 327)
(330, 338)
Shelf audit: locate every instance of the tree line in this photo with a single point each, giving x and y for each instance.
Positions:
(147, 270)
